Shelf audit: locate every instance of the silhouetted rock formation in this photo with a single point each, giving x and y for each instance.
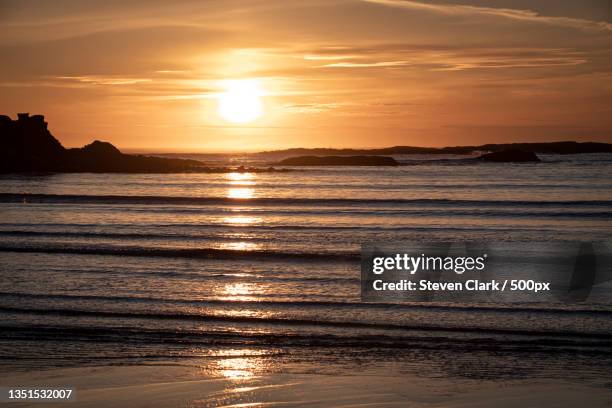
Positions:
(28, 146)
(339, 161)
(510, 156)
(100, 149)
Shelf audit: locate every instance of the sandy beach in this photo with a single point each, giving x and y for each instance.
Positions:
(181, 386)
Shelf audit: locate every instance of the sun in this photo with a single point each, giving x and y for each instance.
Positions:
(241, 101)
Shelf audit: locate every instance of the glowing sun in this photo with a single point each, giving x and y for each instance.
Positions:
(241, 101)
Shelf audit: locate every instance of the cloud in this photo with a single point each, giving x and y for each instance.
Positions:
(311, 107)
(436, 58)
(329, 57)
(514, 14)
(365, 64)
(170, 71)
(99, 80)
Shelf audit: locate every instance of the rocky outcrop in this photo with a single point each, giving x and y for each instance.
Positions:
(339, 161)
(103, 157)
(28, 146)
(510, 156)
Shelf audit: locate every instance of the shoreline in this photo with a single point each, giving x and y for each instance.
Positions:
(187, 386)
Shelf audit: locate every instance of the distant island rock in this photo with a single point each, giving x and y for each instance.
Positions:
(510, 156)
(29, 147)
(339, 161)
(545, 148)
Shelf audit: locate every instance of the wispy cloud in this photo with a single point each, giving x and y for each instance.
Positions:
(170, 71)
(311, 107)
(329, 57)
(451, 59)
(515, 14)
(99, 80)
(365, 64)
(435, 58)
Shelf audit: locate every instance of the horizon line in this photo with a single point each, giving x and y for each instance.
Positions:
(133, 150)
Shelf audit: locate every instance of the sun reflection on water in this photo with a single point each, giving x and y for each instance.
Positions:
(240, 246)
(238, 291)
(242, 193)
(241, 219)
(241, 364)
(241, 368)
(241, 179)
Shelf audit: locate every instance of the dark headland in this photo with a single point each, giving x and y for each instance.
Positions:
(497, 153)
(504, 156)
(567, 147)
(29, 147)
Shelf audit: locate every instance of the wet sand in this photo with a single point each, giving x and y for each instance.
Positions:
(180, 386)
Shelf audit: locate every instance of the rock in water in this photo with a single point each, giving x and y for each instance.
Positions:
(510, 156)
(339, 161)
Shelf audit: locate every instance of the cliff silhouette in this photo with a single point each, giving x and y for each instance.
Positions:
(28, 146)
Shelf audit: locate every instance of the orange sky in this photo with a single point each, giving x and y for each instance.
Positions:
(336, 73)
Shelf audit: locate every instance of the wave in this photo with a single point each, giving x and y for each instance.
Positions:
(363, 185)
(186, 338)
(204, 317)
(197, 253)
(175, 200)
(121, 235)
(300, 304)
(509, 212)
(291, 227)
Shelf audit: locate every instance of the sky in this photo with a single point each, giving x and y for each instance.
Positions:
(149, 75)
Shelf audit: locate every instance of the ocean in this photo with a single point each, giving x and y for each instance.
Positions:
(248, 273)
